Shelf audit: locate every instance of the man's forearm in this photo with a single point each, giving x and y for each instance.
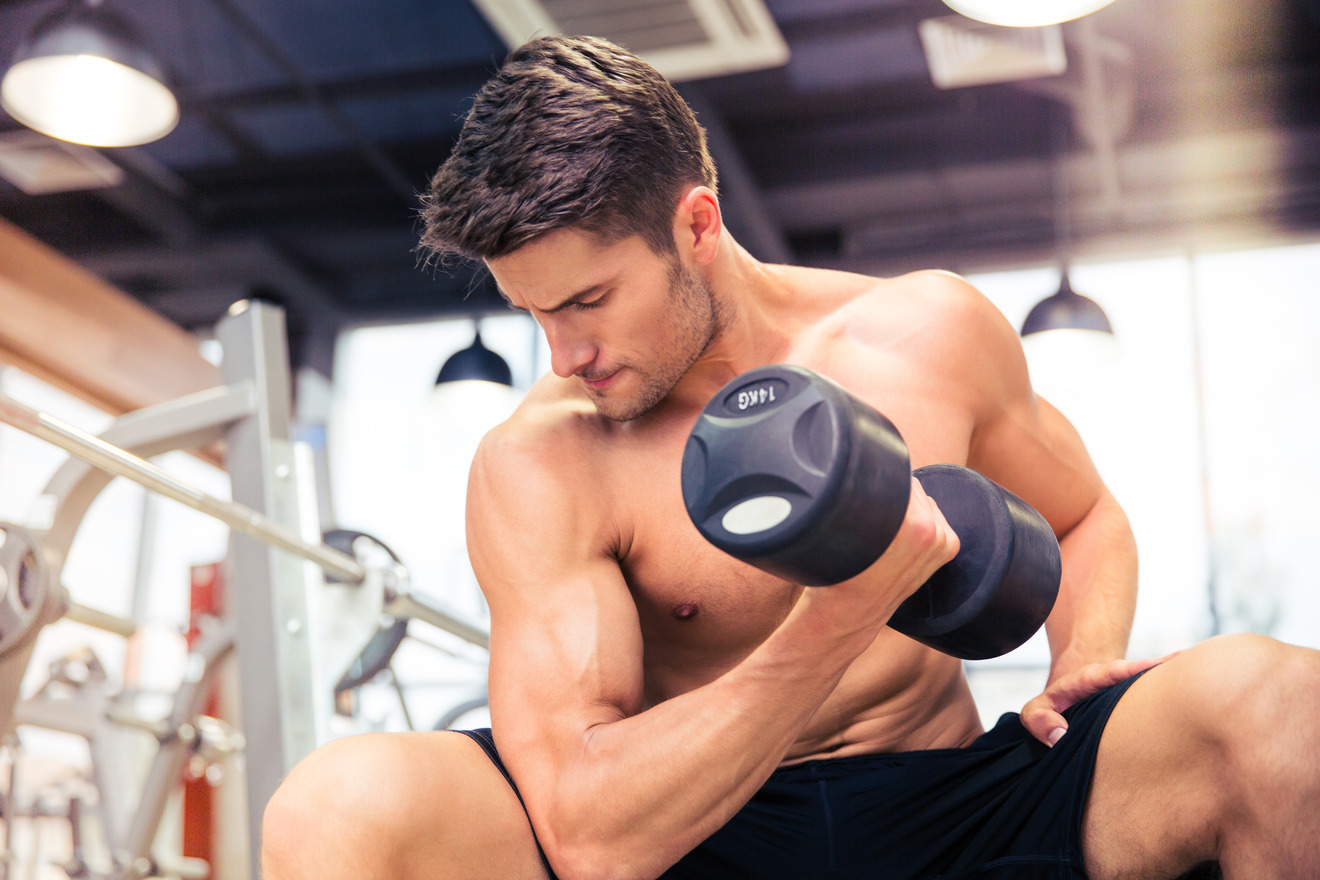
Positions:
(1092, 617)
(708, 750)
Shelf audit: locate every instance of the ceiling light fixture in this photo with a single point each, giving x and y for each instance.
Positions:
(1025, 13)
(475, 362)
(84, 75)
(1068, 339)
(473, 393)
(1066, 310)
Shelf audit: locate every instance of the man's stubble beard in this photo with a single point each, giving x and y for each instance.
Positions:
(700, 320)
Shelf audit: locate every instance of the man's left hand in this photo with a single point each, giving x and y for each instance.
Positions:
(1043, 715)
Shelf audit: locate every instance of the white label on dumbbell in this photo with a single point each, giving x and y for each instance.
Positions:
(756, 397)
(756, 514)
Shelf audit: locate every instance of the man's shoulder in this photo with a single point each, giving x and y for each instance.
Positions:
(554, 423)
(931, 326)
(544, 473)
(555, 442)
(929, 290)
(879, 307)
(859, 296)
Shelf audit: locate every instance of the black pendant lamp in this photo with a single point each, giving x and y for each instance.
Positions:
(85, 75)
(1066, 310)
(475, 362)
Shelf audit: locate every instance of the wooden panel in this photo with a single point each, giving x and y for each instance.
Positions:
(70, 328)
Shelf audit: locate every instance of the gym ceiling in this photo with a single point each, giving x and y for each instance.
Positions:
(308, 126)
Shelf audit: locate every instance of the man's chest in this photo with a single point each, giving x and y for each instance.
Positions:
(700, 610)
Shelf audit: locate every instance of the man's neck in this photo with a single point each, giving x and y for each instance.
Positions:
(751, 298)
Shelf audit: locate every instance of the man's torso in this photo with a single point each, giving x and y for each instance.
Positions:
(700, 611)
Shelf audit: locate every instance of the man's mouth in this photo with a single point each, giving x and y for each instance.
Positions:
(599, 381)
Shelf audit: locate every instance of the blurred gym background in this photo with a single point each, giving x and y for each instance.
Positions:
(1161, 155)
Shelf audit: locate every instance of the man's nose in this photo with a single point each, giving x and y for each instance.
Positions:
(568, 353)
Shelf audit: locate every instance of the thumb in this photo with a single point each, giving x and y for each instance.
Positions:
(1044, 724)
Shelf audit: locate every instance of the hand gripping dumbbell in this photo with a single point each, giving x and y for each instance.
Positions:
(791, 473)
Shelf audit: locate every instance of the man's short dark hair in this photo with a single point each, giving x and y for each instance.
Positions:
(572, 132)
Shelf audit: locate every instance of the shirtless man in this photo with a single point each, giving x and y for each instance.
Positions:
(666, 710)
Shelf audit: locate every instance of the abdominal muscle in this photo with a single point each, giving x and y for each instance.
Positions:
(896, 697)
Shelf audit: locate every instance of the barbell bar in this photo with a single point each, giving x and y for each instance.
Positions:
(120, 463)
(240, 517)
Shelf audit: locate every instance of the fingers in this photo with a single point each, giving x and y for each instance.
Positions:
(1042, 716)
(1043, 722)
(1121, 670)
(1089, 679)
(925, 541)
(929, 526)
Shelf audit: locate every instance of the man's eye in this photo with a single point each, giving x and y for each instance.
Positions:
(583, 306)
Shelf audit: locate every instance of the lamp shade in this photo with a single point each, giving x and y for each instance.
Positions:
(1025, 13)
(1066, 310)
(84, 75)
(475, 362)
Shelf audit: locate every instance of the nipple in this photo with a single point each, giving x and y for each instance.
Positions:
(686, 611)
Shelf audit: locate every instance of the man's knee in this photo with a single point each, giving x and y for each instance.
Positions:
(334, 799)
(1255, 696)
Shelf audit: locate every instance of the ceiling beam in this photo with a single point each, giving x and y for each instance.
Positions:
(69, 328)
(1186, 163)
(465, 78)
(253, 262)
(373, 155)
(161, 214)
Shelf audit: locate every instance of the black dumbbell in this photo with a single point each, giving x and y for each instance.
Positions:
(788, 471)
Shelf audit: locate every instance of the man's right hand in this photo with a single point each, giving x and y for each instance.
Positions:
(925, 542)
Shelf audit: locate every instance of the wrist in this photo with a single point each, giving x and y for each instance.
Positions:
(831, 619)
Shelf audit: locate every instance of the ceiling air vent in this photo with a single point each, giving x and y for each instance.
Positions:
(962, 52)
(37, 164)
(683, 39)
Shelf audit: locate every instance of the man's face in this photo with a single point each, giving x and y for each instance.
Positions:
(626, 322)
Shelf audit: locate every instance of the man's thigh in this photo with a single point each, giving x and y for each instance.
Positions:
(400, 805)
(1164, 777)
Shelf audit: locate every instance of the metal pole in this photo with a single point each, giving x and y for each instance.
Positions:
(118, 462)
(121, 626)
(114, 460)
(407, 605)
(284, 699)
(145, 555)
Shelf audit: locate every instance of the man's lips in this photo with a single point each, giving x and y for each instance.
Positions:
(598, 383)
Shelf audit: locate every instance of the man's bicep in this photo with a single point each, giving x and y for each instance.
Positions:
(565, 651)
(566, 648)
(565, 657)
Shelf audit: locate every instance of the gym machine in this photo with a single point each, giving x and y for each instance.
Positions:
(308, 613)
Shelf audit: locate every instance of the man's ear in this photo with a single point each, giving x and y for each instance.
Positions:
(698, 224)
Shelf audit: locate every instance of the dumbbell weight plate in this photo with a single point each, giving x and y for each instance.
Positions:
(1001, 586)
(819, 495)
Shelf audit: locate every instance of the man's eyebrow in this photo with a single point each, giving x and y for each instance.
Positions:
(579, 296)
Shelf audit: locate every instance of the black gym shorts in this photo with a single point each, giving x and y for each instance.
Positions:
(1006, 806)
